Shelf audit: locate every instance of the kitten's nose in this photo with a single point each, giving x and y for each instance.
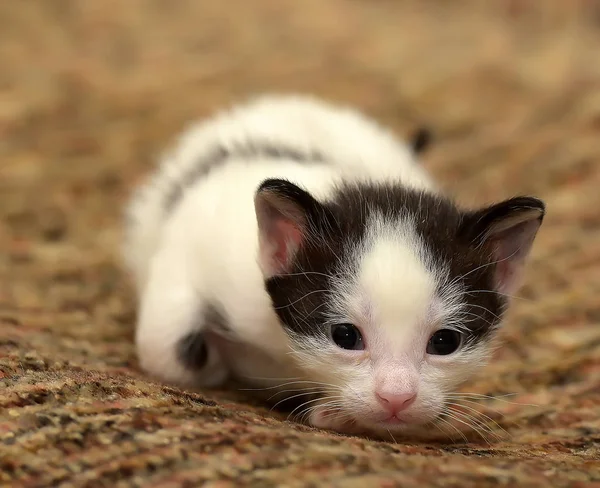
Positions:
(395, 402)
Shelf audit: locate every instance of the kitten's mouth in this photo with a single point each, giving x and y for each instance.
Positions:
(392, 420)
(384, 422)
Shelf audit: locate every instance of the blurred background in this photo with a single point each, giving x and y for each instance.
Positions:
(91, 92)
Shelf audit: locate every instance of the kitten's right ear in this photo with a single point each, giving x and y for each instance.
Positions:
(286, 216)
(508, 229)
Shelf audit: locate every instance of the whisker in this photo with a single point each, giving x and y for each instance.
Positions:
(309, 402)
(286, 399)
(480, 424)
(304, 273)
(500, 398)
(303, 416)
(444, 421)
(391, 435)
(301, 298)
(435, 424)
(483, 405)
(487, 407)
(487, 417)
(270, 378)
(334, 403)
(470, 314)
(313, 389)
(497, 293)
(304, 317)
(334, 406)
(299, 316)
(299, 381)
(452, 415)
(274, 386)
(315, 309)
(462, 277)
(485, 309)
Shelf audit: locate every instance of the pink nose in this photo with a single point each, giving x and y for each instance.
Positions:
(396, 402)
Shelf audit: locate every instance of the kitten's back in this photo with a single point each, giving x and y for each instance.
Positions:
(291, 128)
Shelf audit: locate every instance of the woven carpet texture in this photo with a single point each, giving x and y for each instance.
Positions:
(91, 92)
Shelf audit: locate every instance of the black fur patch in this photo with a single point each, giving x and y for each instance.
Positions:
(421, 140)
(220, 155)
(301, 297)
(192, 349)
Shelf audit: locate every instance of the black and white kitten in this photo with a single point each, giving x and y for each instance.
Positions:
(298, 246)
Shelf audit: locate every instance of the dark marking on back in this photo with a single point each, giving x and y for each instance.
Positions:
(219, 155)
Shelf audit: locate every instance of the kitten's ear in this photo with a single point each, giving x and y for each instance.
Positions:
(508, 229)
(286, 216)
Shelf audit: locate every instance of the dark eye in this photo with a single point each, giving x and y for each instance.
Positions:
(347, 336)
(444, 342)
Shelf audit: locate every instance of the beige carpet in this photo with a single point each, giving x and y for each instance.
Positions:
(90, 91)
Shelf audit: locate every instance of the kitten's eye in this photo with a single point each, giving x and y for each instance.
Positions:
(444, 342)
(347, 336)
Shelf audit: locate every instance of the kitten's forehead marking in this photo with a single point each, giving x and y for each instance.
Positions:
(396, 281)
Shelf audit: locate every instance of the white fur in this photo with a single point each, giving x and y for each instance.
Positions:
(358, 147)
(393, 301)
(208, 249)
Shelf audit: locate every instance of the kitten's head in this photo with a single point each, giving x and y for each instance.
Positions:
(390, 296)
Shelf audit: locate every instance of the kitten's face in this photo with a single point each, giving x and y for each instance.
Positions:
(390, 305)
(390, 336)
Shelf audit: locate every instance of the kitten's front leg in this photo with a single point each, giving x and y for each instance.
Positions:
(171, 336)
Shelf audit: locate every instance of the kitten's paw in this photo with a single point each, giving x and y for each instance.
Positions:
(200, 356)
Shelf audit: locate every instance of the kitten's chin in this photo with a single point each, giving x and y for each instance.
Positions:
(346, 423)
(396, 428)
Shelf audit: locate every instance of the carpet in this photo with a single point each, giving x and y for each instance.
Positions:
(91, 92)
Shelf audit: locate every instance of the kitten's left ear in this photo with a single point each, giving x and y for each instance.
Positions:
(287, 217)
(508, 228)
